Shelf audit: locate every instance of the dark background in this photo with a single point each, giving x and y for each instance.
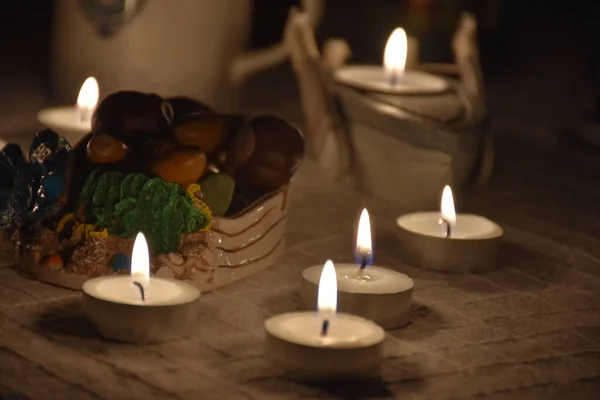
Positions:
(539, 56)
(506, 29)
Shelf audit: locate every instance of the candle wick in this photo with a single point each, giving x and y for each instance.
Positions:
(85, 113)
(361, 270)
(394, 77)
(139, 285)
(325, 327)
(444, 221)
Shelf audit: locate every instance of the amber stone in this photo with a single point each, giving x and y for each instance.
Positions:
(105, 149)
(204, 131)
(183, 165)
(132, 117)
(278, 152)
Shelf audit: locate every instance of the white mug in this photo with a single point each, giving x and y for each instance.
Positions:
(191, 48)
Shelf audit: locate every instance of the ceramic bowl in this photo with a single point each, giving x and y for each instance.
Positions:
(236, 247)
(232, 248)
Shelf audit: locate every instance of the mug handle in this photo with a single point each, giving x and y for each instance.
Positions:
(253, 62)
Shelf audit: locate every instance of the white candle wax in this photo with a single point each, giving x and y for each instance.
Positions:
(376, 79)
(467, 226)
(345, 331)
(159, 292)
(471, 247)
(392, 77)
(139, 308)
(352, 347)
(115, 307)
(450, 242)
(381, 295)
(323, 345)
(66, 121)
(375, 280)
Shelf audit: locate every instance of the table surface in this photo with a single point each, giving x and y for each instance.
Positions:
(530, 329)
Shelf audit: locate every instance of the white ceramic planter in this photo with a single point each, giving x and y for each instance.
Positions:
(237, 247)
(246, 244)
(407, 159)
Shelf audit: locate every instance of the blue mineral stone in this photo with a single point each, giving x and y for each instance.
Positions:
(49, 152)
(33, 190)
(120, 262)
(54, 186)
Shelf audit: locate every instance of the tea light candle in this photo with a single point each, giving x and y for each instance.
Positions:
(139, 308)
(392, 77)
(324, 345)
(73, 122)
(449, 242)
(375, 293)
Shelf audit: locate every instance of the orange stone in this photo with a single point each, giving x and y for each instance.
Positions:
(183, 165)
(105, 149)
(206, 132)
(53, 262)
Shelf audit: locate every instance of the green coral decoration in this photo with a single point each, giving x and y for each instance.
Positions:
(128, 204)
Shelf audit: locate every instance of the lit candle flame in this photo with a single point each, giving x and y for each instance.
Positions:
(447, 207)
(327, 297)
(140, 260)
(364, 245)
(88, 98)
(394, 57)
(88, 94)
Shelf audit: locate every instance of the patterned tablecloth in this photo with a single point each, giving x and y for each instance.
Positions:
(530, 329)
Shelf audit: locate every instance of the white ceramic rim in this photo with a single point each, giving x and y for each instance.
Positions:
(403, 276)
(372, 78)
(377, 337)
(188, 294)
(497, 229)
